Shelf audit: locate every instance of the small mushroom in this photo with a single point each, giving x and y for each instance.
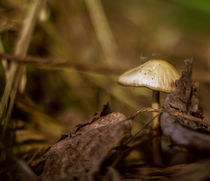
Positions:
(159, 76)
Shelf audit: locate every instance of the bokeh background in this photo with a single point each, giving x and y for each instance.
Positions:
(113, 33)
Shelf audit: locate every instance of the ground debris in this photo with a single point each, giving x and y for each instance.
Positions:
(88, 153)
(196, 171)
(78, 155)
(185, 132)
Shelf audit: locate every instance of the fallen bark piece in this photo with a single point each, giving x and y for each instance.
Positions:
(180, 99)
(78, 156)
(185, 132)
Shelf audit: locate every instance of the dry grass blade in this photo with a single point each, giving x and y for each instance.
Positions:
(103, 30)
(15, 72)
(4, 61)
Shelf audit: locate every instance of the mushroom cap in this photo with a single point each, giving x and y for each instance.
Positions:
(154, 74)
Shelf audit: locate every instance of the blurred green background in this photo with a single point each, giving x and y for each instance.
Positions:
(119, 33)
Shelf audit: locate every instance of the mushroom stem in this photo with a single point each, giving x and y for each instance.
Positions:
(155, 105)
(156, 143)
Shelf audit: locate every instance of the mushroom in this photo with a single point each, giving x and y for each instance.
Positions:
(159, 76)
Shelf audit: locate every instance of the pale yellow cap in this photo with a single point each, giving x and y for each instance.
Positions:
(154, 74)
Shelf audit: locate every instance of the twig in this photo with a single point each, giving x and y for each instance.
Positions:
(83, 66)
(186, 116)
(99, 68)
(175, 113)
(140, 130)
(148, 109)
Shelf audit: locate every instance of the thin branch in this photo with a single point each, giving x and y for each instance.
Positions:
(175, 113)
(100, 68)
(143, 127)
(83, 66)
(148, 109)
(186, 116)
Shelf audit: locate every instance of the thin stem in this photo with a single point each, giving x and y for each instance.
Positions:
(155, 105)
(156, 141)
